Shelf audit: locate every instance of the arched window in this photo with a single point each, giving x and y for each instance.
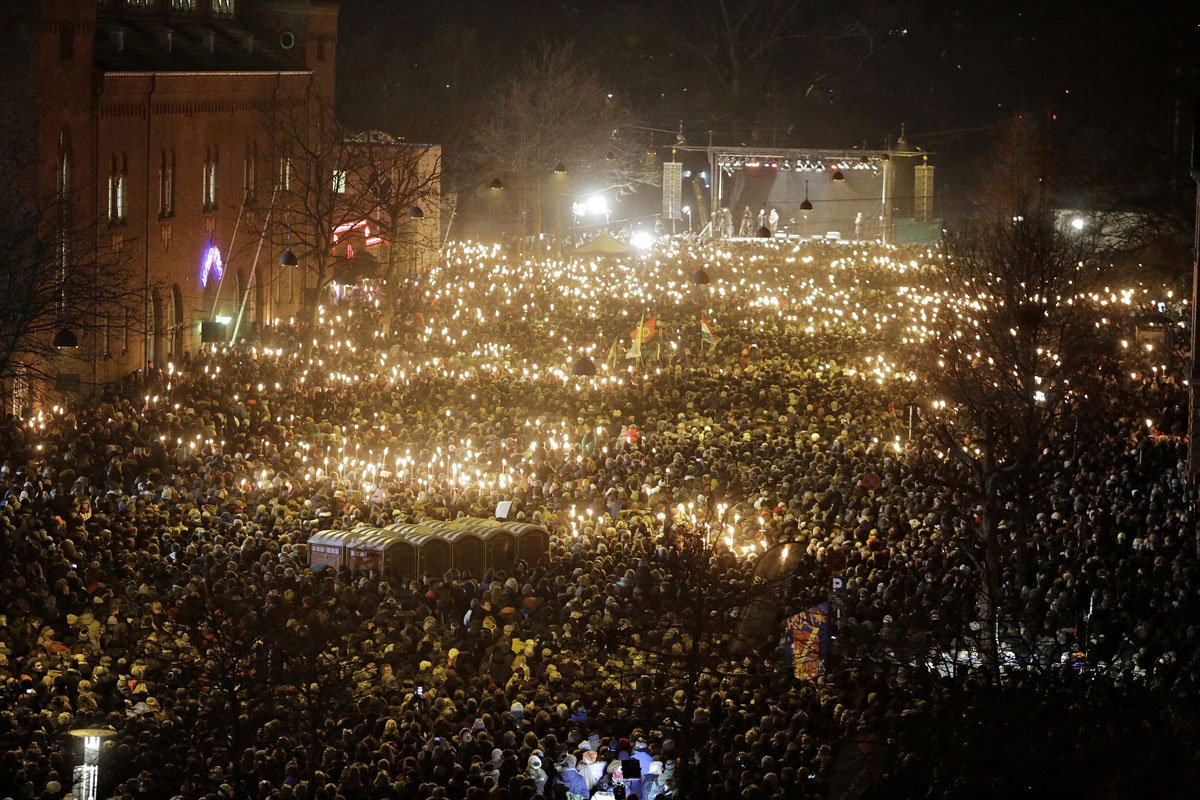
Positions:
(117, 183)
(210, 179)
(112, 190)
(63, 173)
(122, 184)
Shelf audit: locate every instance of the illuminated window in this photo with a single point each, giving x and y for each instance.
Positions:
(339, 181)
(183, 6)
(166, 184)
(121, 180)
(117, 182)
(112, 190)
(209, 181)
(285, 174)
(222, 8)
(63, 173)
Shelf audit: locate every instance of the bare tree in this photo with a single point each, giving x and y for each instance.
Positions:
(760, 61)
(229, 651)
(63, 279)
(332, 180)
(327, 663)
(738, 39)
(556, 111)
(403, 185)
(694, 629)
(1014, 358)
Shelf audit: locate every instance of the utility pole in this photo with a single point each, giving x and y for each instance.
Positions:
(1194, 371)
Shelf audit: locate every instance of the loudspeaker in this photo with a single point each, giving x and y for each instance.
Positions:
(212, 332)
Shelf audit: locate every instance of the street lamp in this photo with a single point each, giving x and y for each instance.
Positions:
(805, 208)
(495, 188)
(558, 195)
(687, 212)
(287, 258)
(597, 204)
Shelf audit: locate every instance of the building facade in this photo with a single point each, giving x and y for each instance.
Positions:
(155, 115)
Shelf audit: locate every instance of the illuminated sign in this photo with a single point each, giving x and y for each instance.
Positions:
(211, 265)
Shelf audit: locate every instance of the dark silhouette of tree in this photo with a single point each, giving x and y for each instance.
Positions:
(60, 268)
(557, 111)
(403, 188)
(229, 653)
(331, 179)
(1013, 359)
(327, 663)
(692, 629)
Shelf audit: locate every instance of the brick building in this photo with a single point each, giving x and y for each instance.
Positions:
(155, 115)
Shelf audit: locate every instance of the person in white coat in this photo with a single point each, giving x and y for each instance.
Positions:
(592, 769)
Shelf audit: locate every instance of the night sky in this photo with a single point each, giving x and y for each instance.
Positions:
(1113, 81)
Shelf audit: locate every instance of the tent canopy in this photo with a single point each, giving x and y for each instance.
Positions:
(603, 245)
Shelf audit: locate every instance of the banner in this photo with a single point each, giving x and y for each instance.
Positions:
(672, 206)
(807, 634)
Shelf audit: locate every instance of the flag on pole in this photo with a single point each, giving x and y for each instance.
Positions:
(706, 332)
(612, 355)
(635, 349)
(644, 332)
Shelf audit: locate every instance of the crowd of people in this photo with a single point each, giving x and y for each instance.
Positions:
(154, 577)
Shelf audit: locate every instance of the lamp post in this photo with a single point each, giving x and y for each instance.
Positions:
(415, 214)
(687, 212)
(86, 777)
(494, 190)
(287, 260)
(1193, 465)
(559, 193)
